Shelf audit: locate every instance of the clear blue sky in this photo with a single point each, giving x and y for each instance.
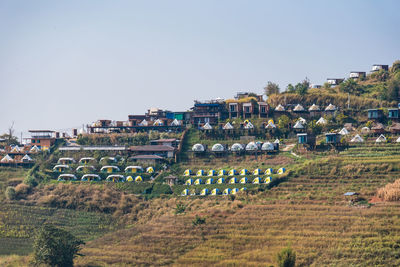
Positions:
(65, 63)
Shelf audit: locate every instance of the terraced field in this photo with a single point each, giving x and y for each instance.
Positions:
(18, 224)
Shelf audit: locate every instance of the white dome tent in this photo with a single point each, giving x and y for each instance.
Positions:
(175, 122)
(251, 147)
(217, 148)
(249, 125)
(298, 108)
(280, 108)
(143, 123)
(236, 147)
(267, 146)
(198, 148)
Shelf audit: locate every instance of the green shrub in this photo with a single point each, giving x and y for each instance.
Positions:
(159, 189)
(286, 257)
(31, 181)
(180, 208)
(198, 221)
(55, 247)
(10, 193)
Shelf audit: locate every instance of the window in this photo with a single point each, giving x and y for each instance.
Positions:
(262, 109)
(38, 141)
(247, 109)
(232, 108)
(33, 141)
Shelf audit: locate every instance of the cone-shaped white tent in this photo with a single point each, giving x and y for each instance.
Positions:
(175, 122)
(249, 125)
(270, 125)
(228, 126)
(357, 139)
(330, 107)
(321, 121)
(207, 126)
(143, 123)
(279, 108)
(344, 131)
(298, 125)
(381, 139)
(298, 107)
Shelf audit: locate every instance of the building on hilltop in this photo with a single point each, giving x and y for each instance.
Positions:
(378, 67)
(334, 81)
(356, 75)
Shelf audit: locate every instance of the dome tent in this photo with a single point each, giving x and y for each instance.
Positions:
(217, 148)
(57, 168)
(257, 172)
(91, 177)
(277, 141)
(222, 173)
(267, 146)
(267, 180)
(34, 149)
(187, 172)
(129, 179)
(185, 192)
(198, 148)
(233, 180)
(357, 139)
(244, 172)
(257, 180)
(150, 170)
(138, 179)
(198, 181)
(234, 191)
(200, 173)
(221, 181)
(281, 170)
(204, 192)
(232, 172)
(133, 169)
(115, 178)
(398, 140)
(244, 180)
(210, 181)
(227, 191)
(215, 192)
(269, 171)
(65, 161)
(189, 182)
(212, 173)
(110, 169)
(251, 147)
(236, 147)
(67, 177)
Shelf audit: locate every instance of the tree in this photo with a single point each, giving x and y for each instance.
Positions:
(271, 88)
(395, 67)
(302, 87)
(290, 88)
(391, 92)
(10, 193)
(316, 129)
(55, 247)
(286, 257)
(350, 86)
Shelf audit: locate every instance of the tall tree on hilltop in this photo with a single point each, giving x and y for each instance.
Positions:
(271, 88)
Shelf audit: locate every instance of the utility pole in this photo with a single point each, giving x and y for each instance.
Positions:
(348, 100)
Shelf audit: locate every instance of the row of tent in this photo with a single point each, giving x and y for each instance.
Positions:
(381, 139)
(106, 169)
(313, 108)
(18, 149)
(96, 177)
(213, 192)
(236, 147)
(233, 180)
(8, 159)
(159, 122)
(88, 160)
(232, 172)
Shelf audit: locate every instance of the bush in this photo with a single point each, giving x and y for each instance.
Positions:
(22, 189)
(31, 181)
(10, 193)
(180, 208)
(55, 247)
(198, 221)
(159, 189)
(286, 257)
